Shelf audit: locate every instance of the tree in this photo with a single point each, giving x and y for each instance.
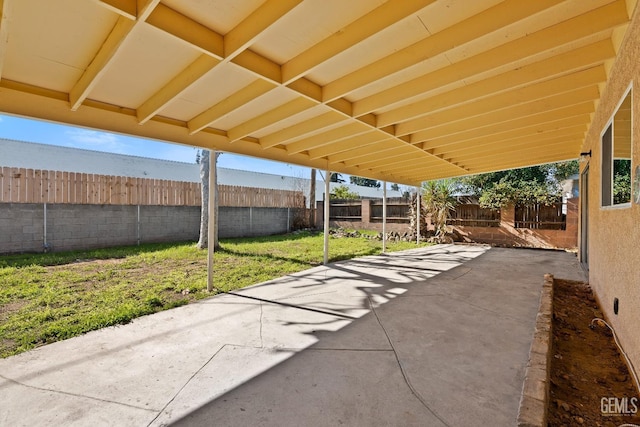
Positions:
(395, 187)
(621, 181)
(536, 184)
(336, 177)
(342, 192)
(438, 201)
(203, 241)
(364, 182)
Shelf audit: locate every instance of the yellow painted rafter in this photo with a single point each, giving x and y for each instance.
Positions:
(229, 104)
(569, 31)
(126, 8)
(107, 52)
(491, 128)
(366, 26)
(246, 32)
(212, 44)
(511, 150)
(572, 86)
(361, 141)
(577, 60)
(479, 146)
(269, 118)
(582, 100)
(449, 143)
(501, 15)
(355, 152)
(4, 30)
(324, 138)
(310, 126)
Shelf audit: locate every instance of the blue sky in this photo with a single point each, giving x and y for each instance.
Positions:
(48, 133)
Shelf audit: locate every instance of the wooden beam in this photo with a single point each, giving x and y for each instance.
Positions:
(507, 151)
(582, 26)
(248, 93)
(570, 133)
(30, 101)
(126, 8)
(489, 20)
(187, 30)
(269, 118)
(511, 99)
(543, 126)
(366, 26)
(299, 130)
(325, 138)
(525, 158)
(5, 14)
(176, 86)
(374, 149)
(107, 52)
(360, 141)
(557, 66)
(247, 31)
(503, 106)
(491, 128)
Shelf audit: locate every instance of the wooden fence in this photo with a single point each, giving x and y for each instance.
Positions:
(19, 185)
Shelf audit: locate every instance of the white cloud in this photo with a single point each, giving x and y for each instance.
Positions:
(94, 140)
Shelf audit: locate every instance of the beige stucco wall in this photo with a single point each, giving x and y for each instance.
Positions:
(614, 233)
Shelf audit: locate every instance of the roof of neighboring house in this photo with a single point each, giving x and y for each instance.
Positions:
(32, 155)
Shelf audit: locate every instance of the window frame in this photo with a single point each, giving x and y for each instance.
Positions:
(610, 126)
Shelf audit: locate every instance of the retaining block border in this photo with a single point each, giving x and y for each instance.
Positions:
(534, 400)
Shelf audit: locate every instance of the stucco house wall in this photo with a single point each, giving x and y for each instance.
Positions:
(614, 232)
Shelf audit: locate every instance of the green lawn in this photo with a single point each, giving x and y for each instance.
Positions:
(50, 297)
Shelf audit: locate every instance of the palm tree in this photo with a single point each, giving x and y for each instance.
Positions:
(438, 201)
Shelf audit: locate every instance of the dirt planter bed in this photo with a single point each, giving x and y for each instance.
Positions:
(575, 368)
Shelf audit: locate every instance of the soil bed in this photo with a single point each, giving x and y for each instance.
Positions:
(586, 365)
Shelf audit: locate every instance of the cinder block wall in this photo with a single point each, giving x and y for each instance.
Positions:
(70, 227)
(90, 226)
(21, 227)
(247, 222)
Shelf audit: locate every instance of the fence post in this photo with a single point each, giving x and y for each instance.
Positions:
(418, 214)
(327, 197)
(138, 226)
(384, 216)
(45, 245)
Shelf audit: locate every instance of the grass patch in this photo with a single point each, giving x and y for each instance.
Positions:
(50, 297)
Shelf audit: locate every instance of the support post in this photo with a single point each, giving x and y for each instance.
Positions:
(384, 216)
(327, 197)
(45, 245)
(138, 227)
(211, 229)
(418, 206)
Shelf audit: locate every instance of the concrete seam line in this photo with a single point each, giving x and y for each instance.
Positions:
(75, 394)
(185, 384)
(405, 376)
(300, 307)
(534, 400)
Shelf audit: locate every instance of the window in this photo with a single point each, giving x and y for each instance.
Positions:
(616, 156)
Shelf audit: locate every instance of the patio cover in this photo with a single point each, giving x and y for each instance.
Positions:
(399, 90)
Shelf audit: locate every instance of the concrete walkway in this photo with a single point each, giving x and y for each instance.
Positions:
(436, 336)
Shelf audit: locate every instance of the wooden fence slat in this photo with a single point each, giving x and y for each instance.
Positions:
(39, 186)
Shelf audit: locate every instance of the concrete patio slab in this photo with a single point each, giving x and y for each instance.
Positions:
(431, 336)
